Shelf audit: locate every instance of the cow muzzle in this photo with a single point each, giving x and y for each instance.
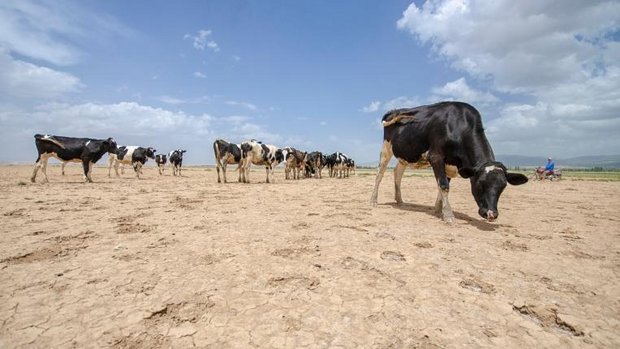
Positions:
(488, 214)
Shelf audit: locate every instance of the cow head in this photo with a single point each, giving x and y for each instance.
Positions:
(110, 145)
(488, 181)
(279, 156)
(150, 152)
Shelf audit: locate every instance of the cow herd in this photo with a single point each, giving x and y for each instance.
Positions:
(446, 136)
(88, 151)
(297, 163)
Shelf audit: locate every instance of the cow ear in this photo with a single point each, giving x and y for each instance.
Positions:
(516, 178)
(466, 172)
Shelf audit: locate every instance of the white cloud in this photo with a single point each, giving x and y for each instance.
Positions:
(372, 107)
(401, 102)
(19, 79)
(246, 105)
(178, 101)
(396, 103)
(199, 75)
(564, 58)
(49, 30)
(203, 39)
(523, 46)
(461, 91)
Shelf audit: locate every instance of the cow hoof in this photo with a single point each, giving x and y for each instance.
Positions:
(399, 202)
(448, 220)
(33, 180)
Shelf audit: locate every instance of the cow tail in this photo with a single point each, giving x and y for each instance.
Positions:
(216, 151)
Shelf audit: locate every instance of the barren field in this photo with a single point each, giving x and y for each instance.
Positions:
(187, 262)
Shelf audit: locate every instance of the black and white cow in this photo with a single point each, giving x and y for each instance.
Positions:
(176, 160)
(69, 149)
(350, 166)
(160, 160)
(295, 161)
(130, 155)
(448, 137)
(226, 153)
(336, 164)
(257, 153)
(316, 162)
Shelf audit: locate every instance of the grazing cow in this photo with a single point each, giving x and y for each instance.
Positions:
(226, 153)
(257, 153)
(176, 160)
(130, 155)
(448, 137)
(160, 160)
(316, 162)
(295, 161)
(69, 149)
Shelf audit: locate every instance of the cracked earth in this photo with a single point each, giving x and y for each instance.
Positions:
(186, 262)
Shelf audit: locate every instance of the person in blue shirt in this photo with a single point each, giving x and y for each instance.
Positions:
(549, 167)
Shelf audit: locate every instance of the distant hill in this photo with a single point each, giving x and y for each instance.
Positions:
(604, 161)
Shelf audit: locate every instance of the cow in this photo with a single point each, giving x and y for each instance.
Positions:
(176, 160)
(316, 163)
(225, 154)
(350, 166)
(160, 160)
(449, 138)
(295, 161)
(130, 155)
(336, 163)
(69, 149)
(257, 153)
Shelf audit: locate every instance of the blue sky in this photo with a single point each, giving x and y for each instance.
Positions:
(316, 75)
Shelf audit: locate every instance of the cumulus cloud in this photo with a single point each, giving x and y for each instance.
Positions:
(199, 75)
(203, 39)
(19, 79)
(461, 91)
(130, 123)
(564, 58)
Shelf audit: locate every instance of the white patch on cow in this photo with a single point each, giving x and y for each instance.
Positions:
(492, 168)
(87, 142)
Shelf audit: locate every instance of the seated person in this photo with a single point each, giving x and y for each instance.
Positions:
(549, 167)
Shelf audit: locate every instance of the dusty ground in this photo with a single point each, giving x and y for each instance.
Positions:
(182, 262)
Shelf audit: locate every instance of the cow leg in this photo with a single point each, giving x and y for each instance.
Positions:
(62, 168)
(44, 170)
(398, 176)
(88, 168)
(224, 165)
(267, 170)
(116, 164)
(37, 165)
(443, 183)
(217, 168)
(110, 164)
(384, 160)
(42, 159)
(137, 167)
